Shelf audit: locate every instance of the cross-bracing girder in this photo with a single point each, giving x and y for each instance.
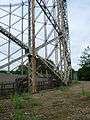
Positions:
(49, 16)
(62, 32)
(21, 44)
(13, 38)
(50, 19)
(62, 14)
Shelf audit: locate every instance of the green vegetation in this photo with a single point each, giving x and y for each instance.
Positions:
(18, 115)
(85, 93)
(3, 71)
(35, 118)
(39, 65)
(61, 103)
(17, 102)
(34, 102)
(84, 71)
(1, 107)
(19, 70)
(62, 88)
(88, 94)
(76, 82)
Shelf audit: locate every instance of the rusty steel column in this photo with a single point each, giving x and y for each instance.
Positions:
(9, 39)
(45, 38)
(33, 49)
(29, 45)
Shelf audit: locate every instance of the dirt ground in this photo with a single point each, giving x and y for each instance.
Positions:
(55, 104)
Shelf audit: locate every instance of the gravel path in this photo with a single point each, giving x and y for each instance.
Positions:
(66, 104)
(55, 104)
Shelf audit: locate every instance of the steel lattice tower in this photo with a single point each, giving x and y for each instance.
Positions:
(43, 33)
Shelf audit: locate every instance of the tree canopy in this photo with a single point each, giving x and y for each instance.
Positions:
(84, 71)
(85, 58)
(40, 65)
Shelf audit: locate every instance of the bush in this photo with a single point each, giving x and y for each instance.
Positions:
(84, 73)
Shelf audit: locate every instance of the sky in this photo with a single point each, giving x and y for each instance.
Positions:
(79, 26)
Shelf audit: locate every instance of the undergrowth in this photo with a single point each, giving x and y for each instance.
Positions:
(18, 114)
(16, 101)
(1, 107)
(84, 92)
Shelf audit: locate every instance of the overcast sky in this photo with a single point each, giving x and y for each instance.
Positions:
(79, 25)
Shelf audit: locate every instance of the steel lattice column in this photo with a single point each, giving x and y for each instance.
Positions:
(65, 45)
(9, 39)
(33, 49)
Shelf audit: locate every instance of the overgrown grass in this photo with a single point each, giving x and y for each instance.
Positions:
(65, 88)
(1, 108)
(16, 101)
(76, 82)
(33, 102)
(84, 92)
(34, 117)
(18, 115)
(88, 94)
(62, 88)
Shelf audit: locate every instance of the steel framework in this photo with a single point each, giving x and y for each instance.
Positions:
(36, 28)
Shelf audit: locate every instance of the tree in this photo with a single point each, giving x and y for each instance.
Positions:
(85, 58)
(40, 65)
(3, 71)
(84, 71)
(19, 70)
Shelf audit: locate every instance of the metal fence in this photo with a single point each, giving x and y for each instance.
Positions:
(20, 85)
